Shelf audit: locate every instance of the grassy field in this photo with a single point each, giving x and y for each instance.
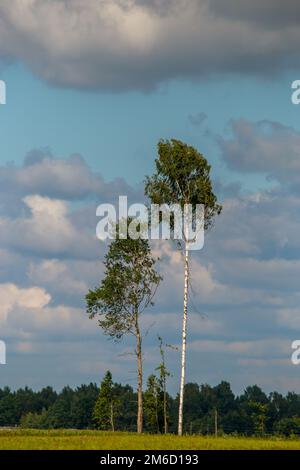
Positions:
(97, 440)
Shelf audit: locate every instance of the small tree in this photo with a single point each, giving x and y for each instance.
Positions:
(152, 403)
(104, 409)
(163, 375)
(258, 413)
(183, 177)
(34, 420)
(128, 288)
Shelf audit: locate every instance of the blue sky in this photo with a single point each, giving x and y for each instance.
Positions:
(84, 112)
(128, 125)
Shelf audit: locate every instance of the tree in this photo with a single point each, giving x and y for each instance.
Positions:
(183, 177)
(34, 420)
(258, 412)
(60, 413)
(126, 417)
(83, 403)
(128, 288)
(288, 426)
(255, 394)
(152, 403)
(104, 409)
(9, 413)
(225, 400)
(163, 374)
(46, 397)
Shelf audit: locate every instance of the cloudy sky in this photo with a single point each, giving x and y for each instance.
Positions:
(91, 87)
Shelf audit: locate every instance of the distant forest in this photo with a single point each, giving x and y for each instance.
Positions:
(207, 410)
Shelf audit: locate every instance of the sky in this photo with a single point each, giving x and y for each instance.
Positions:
(91, 86)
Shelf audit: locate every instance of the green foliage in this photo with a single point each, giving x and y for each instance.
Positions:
(163, 375)
(60, 413)
(126, 410)
(128, 287)
(183, 177)
(273, 414)
(289, 426)
(34, 420)
(153, 404)
(258, 413)
(9, 415)
(83, 401)
(106, 403)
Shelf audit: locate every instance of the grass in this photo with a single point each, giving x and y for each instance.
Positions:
(17, 439)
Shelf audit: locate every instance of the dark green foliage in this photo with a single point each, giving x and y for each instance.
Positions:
(60, 413)
(288, 426)
(252, 413)
(83, 401)
(128, 287)
(153, 404)
(9, 414)
(106, 404)
(127, 401)
(163, 376)
(35, 420)
(182, 176)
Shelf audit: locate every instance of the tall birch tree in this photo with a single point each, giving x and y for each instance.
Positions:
(182, 177)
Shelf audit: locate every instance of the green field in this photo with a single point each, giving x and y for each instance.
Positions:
(97, 440)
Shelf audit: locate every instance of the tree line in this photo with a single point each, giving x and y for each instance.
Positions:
(112, 406)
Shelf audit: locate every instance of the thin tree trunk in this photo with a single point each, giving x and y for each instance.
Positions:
(140, 381)
(216, 422)
(112, 417)
(165, 408)
(184, 330)
(156, 413)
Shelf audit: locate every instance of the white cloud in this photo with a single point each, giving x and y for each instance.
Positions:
(66, 178)
(289, 317)
(47, 231)
(244, 348)
(264, 146)
(26, 313)
(58, 275)
(14, 297)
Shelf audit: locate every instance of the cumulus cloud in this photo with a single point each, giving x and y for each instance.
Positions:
(267, 12)
(47, 230)
(58, 275)
(14, 297)
(136, 44)
(243, 348)
(264, 147)
(62, 178)
(289, 318)
(68, 280)
(28, 314)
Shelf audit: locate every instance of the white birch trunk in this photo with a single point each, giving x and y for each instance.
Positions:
(184, 331)
(140, 383)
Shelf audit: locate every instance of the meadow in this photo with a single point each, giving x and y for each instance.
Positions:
(17, 439)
